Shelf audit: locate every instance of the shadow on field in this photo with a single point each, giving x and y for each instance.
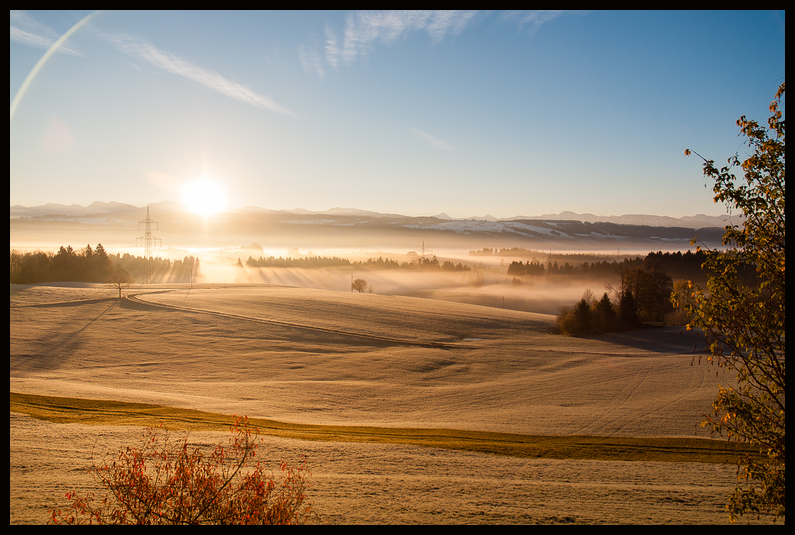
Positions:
(671, 339)
(57, 344)
(59, 304)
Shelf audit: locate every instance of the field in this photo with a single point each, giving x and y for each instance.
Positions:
(359, 382)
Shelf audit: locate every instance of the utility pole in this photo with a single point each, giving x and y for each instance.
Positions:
(149, 242)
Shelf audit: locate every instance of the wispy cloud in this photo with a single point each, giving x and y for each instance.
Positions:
(531, 19)
(311, 61)
(28, 31)
(365, 28)
(431, 140)
(453, 21)
(180, 67)
(332, 50)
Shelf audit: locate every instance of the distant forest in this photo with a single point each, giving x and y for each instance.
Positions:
(677, 265)
(95, 265)
(372, 263)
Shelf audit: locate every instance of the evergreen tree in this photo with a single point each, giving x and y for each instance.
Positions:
(582, 316)
(605, 314)
(628, 308)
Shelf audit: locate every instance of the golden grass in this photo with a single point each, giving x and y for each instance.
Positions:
(109, 412)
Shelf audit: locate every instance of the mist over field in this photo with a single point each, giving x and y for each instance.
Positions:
(446, 257)
(224, 241)
(256, 315)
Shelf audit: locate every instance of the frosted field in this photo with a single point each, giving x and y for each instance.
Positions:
(325, 357)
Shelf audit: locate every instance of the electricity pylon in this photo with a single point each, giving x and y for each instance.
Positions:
(149, 242)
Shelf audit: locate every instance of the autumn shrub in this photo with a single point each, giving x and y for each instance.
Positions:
(564, 322)
(165, 481)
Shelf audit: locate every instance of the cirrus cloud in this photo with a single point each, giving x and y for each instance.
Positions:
(176, 65)
(364, 29)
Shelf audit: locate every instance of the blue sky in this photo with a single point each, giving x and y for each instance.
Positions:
(416, 113)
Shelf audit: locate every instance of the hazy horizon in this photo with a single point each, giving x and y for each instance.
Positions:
(353, 210)
(413, 113)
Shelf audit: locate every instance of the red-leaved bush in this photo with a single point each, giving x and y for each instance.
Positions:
(166, 482)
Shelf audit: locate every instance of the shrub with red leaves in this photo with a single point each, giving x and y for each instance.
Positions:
(167, 482)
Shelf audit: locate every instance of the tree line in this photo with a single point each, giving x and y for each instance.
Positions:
(289, 262)
(96, 265)
(82, 265)
(371, 263)
(420, 264)
(678, 265)
(530, 253)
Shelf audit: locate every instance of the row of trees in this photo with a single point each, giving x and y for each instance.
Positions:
(163, 270)
(371, 263)
(686, 265)
(421, 264)
(574, 258)
(96, 265)
(306, 262)
(83, 265)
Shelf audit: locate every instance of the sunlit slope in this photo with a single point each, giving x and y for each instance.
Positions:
(388, 317)
(320, 357)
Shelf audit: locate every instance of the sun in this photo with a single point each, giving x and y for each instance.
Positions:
(204, 196)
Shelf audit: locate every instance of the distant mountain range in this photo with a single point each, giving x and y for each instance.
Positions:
(695, 221)
(350, 227)
(98, 208)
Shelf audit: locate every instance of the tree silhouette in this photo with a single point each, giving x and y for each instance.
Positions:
(360, 285)
(120, 279)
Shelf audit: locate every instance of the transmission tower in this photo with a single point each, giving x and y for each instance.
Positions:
(149, 242)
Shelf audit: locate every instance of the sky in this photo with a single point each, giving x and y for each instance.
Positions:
(414, 113)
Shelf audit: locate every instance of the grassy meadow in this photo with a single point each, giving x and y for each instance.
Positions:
(411, 410)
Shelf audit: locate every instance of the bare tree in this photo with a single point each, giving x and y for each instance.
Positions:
(360, 285)
(120, 279)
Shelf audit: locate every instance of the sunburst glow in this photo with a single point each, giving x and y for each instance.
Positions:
(204, 196)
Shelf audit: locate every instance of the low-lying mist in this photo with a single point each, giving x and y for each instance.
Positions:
(487, 286)
(485, 283)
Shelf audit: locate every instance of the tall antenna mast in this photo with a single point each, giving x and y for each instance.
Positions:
(148, 243)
